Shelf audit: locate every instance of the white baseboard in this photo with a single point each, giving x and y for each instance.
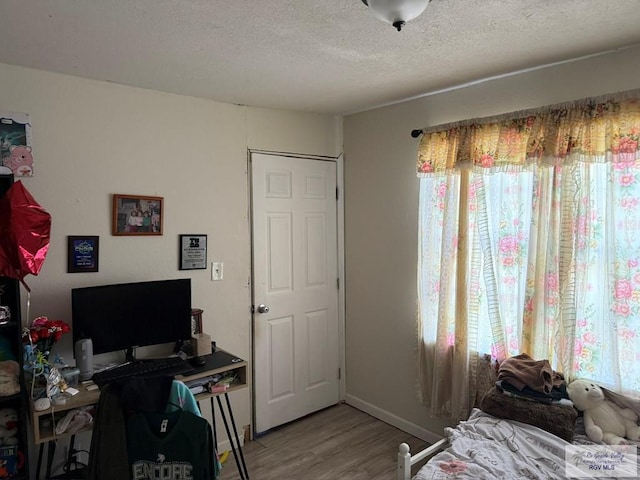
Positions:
(225, 445)
(391, 419)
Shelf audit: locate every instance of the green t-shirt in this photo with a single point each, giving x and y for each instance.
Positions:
(170, 446)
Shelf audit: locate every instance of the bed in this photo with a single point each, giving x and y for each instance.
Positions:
(488, 447)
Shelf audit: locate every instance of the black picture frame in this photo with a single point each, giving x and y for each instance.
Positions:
(193, 252)
(83, 253)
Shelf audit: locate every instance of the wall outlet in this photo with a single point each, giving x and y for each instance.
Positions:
(216, 271)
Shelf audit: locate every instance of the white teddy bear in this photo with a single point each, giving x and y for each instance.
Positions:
(8, 426)
(604, 421)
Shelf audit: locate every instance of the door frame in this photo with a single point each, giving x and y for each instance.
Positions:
(339, 161)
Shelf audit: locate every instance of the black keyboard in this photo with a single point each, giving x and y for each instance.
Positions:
(144, 368)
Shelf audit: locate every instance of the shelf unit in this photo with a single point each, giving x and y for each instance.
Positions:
(44, 421)
(240, 369)
(11, 332)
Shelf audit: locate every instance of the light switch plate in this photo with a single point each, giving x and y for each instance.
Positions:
(216, 271)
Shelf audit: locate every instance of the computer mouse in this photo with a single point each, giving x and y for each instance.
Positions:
(197, 361)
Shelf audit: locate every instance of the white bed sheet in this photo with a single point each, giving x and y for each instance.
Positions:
(485, 447)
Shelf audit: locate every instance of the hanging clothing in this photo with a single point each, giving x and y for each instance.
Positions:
(108, 450)
(176, 445)
(181, 398)
(108, 458)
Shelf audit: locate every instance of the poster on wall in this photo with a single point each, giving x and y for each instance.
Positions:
(82, 253)
(15, 143)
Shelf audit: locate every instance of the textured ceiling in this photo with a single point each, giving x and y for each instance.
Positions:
(330, 56)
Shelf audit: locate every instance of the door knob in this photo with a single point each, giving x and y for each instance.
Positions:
(263, 308)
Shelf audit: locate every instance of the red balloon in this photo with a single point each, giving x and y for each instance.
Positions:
(25, 228)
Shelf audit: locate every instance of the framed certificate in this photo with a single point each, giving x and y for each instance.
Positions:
(193, 252)
(82, 254)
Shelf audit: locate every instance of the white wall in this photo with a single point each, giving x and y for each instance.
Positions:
(93, 139)
(381, 197)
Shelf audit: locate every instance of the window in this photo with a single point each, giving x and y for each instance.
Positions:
(535, 252)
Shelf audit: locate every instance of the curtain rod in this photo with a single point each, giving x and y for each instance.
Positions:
(616, 97)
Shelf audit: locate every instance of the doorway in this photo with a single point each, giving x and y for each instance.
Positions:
(296, 335)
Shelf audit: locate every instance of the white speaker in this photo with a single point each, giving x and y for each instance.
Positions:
(84, 358)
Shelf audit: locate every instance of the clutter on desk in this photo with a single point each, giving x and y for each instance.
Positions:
(75, 420)
(229, 378)
(42, 375)
(218, 388)
(217, 383)
(61, 399)
(70, 375)
(199, 385)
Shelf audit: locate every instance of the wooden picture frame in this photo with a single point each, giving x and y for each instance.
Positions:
(196, 321)
(83, 253)
(193, 252)
(137, 215)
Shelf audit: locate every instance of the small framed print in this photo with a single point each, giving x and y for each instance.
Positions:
(15, 135)
(193, 252)
(82, 254)
(196, 321)
(137, 215)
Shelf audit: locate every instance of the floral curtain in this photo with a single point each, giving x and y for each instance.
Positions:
(530, 242)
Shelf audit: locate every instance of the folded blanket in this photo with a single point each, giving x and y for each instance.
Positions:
(555, 395)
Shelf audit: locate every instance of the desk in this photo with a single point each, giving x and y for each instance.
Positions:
(219, 362)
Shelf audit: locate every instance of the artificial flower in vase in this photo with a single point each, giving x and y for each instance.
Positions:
(39, 338)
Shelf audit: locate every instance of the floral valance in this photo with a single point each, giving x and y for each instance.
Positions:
(604, 129)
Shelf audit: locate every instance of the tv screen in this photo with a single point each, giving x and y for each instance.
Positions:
(128, 315)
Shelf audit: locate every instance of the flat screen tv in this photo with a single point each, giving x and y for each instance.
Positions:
(129, 315)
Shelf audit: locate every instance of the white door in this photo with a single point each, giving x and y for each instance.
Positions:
(295, 275)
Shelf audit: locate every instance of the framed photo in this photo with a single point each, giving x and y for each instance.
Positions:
(196, 321)
(82, 254)
(137, 215)
(193, 252)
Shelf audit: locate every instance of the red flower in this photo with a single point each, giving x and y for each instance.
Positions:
(44, 333)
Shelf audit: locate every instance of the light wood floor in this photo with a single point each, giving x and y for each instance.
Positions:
(339, 443)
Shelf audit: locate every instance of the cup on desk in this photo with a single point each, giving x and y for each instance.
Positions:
(201, 344)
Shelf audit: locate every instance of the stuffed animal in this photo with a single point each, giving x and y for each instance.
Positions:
(9, 383)
(604, 421)
(20, 160)
(8, 426)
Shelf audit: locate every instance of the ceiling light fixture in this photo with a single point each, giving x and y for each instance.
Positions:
(396, 12)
